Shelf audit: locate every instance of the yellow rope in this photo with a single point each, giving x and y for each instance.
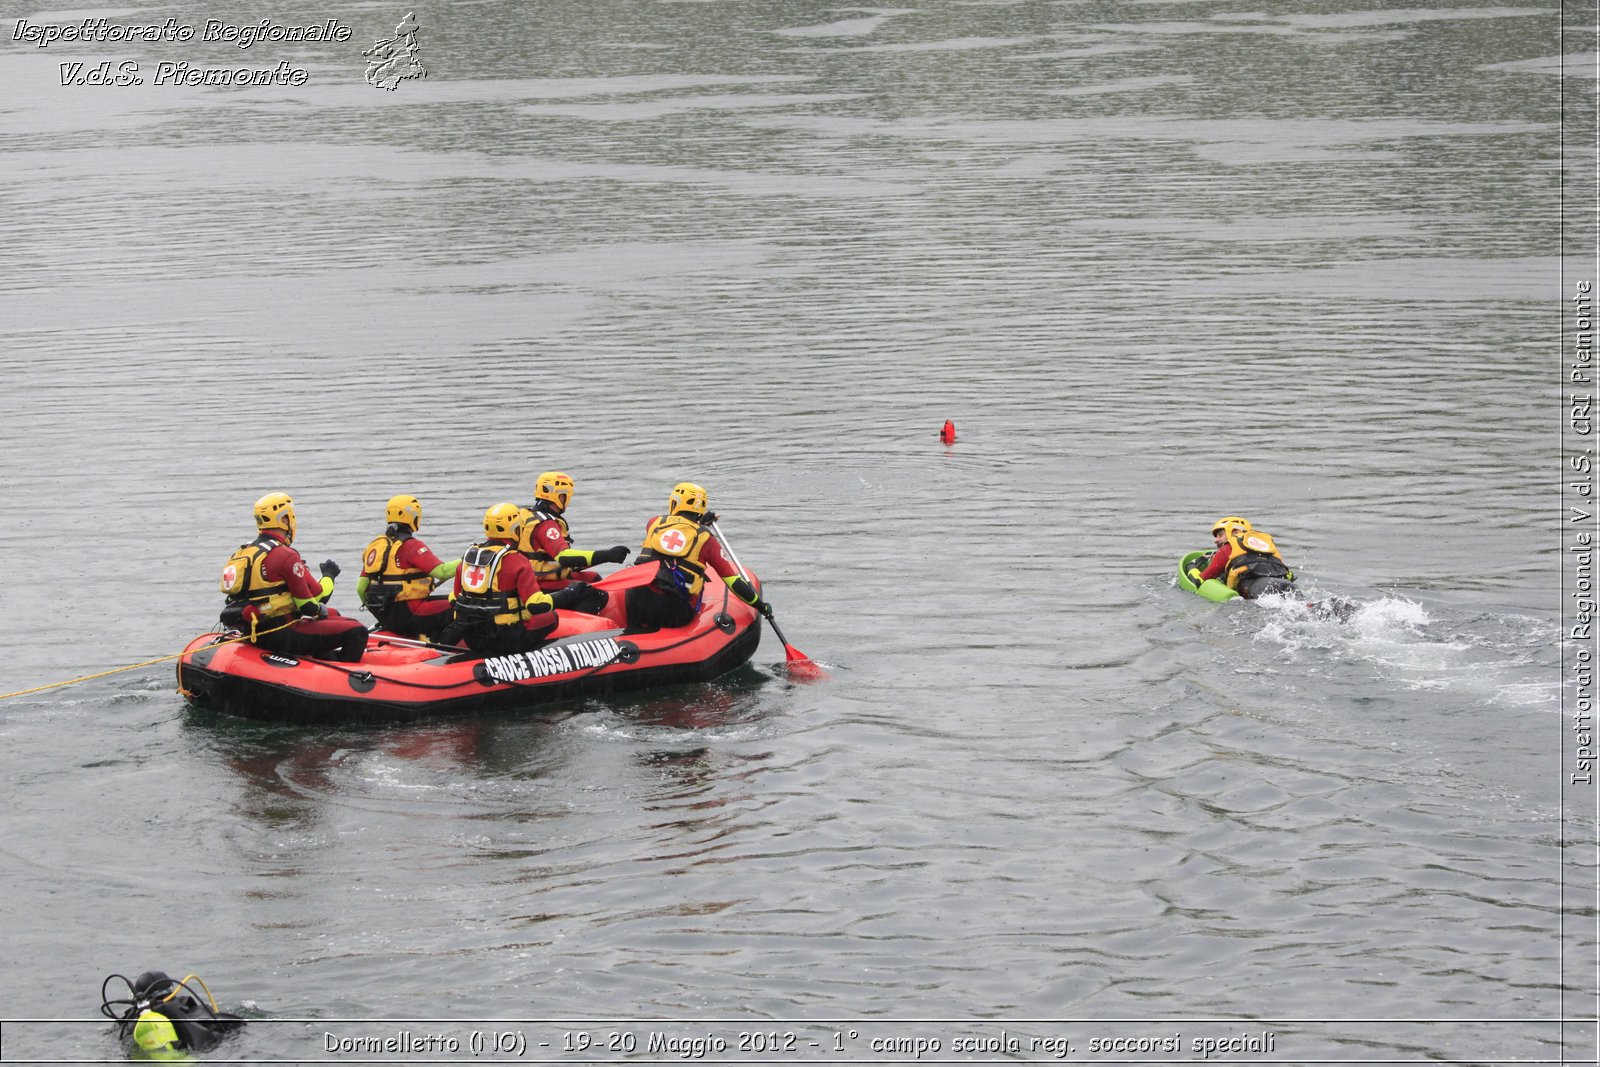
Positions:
(136, 666)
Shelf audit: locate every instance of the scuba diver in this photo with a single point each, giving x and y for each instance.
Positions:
(398, 572)
(163, 1019)
(547, 541)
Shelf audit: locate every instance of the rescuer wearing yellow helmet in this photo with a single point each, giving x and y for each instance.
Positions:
(398, 572)
(547, 541)
(1211, 566)
(272, 597)
(688, 553)
(1246, 559)
(499, 607)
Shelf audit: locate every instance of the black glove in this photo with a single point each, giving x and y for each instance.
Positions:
(708, 518)
(329, 569)
(615, 554)
(569, 597)
(314, 609)
(765, 609)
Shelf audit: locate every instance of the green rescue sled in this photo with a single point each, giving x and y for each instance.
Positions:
(1210, 589)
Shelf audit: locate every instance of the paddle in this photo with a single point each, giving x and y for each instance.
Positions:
(799, 663)
(387, 638)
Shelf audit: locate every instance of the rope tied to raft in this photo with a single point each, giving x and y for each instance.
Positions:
(146, 663)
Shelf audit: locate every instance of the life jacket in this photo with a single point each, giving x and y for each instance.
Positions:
(1252, 554)
(480, 601)
(545, 568)
(677, 542)
(386, 581)
(244, 581)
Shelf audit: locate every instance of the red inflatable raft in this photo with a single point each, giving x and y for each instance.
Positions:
(401, 679)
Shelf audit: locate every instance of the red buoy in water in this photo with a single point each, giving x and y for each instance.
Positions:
(948, 434)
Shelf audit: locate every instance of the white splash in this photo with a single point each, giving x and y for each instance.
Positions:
(1400, 641)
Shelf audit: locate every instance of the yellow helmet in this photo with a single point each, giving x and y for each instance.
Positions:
(275, 511)
(405, 511)
(154, 1033)
(554, 487)
(687, 498)
(1230, 522)
(503, 521)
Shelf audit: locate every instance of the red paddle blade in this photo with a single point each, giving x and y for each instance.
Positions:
(801, 666)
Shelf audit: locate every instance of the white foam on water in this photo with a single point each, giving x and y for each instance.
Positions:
(1385, 615)
(1491, 659)
(619, 728)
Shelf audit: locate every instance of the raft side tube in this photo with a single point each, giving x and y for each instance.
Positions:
(396, 683)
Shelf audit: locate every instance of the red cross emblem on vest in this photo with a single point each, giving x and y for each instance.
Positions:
(230, 575)
(673, 540)
(474, 577)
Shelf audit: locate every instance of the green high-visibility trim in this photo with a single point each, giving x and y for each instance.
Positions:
(327, 591)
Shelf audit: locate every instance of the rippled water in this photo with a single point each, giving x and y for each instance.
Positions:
(1158, 262)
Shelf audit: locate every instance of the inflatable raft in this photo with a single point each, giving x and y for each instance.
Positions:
(400, 679)
(1210, 589)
